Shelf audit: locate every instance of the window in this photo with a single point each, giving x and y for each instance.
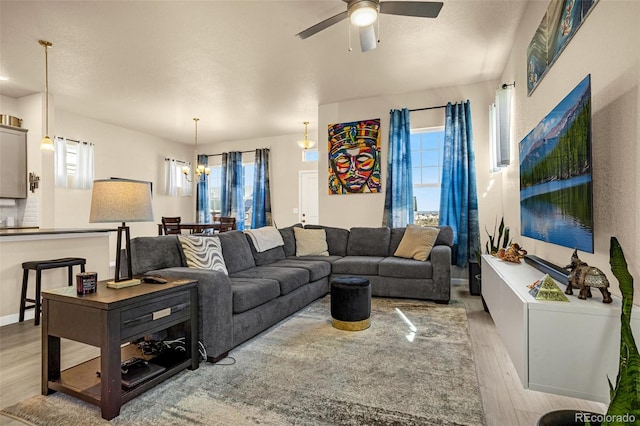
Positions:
(215, 187)
(73, 163)
(247, 182)
(72, 157)
(309, 155)
(427, 147)
(215, 191)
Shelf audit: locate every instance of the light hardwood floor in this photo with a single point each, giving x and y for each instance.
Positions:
(504, 400)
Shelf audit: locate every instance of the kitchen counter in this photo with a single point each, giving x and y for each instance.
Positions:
(5, 232)
(18, 245)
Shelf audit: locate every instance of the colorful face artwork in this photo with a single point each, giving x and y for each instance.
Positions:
(354, 157)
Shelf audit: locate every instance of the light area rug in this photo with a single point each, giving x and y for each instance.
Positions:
(413, 366)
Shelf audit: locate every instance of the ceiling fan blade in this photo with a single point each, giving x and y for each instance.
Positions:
(424, 9)
(322, 25)
(368, 40)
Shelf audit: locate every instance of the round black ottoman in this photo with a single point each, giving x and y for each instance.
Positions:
(350, 303)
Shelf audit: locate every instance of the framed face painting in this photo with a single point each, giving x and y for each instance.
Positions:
(354, 157)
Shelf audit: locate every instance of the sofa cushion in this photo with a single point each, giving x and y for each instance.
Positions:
(150, 253)
(317, 268)
(398, 267)
(369, 242)
(251, 292)
(267, 256)
(311, 242)
(329, 259)
(289, 239)
(445, 237)
(417, 242)
(289, 278)
(337, 239)
(357, 265)
(203, 252)
(236, 251)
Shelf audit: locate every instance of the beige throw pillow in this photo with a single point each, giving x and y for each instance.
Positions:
(417, 242)
(311, 242)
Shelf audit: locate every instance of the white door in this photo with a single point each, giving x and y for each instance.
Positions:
(308, 213)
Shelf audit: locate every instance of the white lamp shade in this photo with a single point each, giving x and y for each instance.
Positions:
(306, 143)
(46, 144)
(363, 14)
(121, 200)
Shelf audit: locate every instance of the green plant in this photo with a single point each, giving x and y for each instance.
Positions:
(625, 397)
(493, 245)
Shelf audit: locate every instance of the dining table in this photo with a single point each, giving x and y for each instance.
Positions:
(193, 227)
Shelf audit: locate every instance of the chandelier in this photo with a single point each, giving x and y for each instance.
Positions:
(200, 168)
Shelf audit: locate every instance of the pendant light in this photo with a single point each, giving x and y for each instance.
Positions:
(306, 143)
(200, 168)
(46, 144)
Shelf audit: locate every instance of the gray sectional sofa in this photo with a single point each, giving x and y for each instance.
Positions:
(263, 288)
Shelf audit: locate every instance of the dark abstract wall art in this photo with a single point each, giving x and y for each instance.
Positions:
(559, 24)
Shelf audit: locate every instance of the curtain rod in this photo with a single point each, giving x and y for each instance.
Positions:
(242, 152)
(71, 140)
(177, 161)
(426, 108)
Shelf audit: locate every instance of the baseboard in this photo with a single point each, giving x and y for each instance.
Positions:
(13, 318)
(459, 281)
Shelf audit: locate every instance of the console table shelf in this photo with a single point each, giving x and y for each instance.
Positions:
(566, 348)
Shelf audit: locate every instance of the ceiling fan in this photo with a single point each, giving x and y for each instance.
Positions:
(364, 13)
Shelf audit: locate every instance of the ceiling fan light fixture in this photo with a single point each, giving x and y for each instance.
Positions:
(363, 13)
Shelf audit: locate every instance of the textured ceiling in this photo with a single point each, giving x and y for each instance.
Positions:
(152, 66)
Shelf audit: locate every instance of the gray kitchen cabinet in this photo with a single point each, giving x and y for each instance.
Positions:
(13, 162)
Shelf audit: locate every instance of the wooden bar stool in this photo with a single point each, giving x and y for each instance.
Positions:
(39, 266)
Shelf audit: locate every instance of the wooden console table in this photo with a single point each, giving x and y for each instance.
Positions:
(566, 348)
(107, 319)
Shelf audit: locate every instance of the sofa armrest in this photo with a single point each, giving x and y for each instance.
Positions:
(215, 302)
(441, 264)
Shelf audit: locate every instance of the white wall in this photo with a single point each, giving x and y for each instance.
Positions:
(351, 210)
(285, 163)
(122, 153)
(611, 56)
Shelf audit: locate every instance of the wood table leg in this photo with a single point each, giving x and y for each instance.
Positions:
(110, 376)
(50, 353)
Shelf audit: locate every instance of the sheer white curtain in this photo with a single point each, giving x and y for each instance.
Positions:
(171, 177)
(176, 182)
(84, 166)
(60, 161)
(81, 164)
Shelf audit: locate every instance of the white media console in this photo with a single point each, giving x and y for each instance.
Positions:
(557, 347)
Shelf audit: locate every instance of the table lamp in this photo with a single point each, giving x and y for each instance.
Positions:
(121, 200)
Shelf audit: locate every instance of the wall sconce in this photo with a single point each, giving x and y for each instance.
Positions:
(33, 182)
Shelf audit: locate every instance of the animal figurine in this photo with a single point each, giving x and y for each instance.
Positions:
(513, 253)
(583, 277)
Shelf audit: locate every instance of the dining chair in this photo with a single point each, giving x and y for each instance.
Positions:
(171, 225)
(227, 223)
